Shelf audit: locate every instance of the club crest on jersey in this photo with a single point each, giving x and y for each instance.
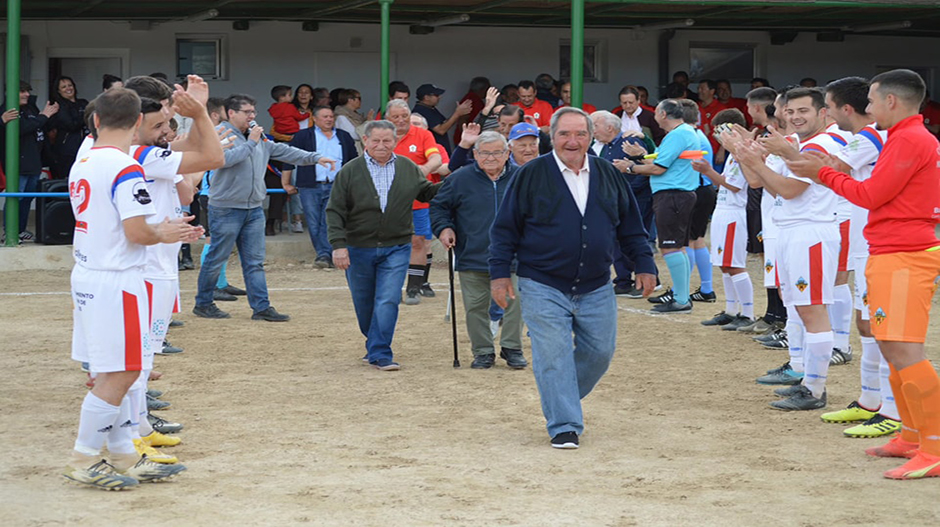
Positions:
(760, 237)
(720, 250)
(140, 193)
(768, 266)
(865, 298)
(802, 284)
(412, 148)
(880, 316)
(166, 153)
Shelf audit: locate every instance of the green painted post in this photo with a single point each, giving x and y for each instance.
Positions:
(12, 167)
(386, 6)
(577, 53)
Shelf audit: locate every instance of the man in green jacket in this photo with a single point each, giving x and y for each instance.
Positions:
(369, 224)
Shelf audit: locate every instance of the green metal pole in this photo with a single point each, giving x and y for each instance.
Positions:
(12, 167)
(386, 6)
(577, 53)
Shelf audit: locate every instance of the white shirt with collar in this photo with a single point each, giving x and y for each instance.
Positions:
(631, 124)
(578, 183)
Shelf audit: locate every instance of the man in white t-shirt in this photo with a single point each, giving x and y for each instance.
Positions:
(111, 203)
(808, 244)
(875, 408)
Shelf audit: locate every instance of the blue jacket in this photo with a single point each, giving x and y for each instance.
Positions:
(467, 203)
(615, 151)
(539, 222)
(306, 139)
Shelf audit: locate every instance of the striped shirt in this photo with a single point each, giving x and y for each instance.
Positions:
(382, 177)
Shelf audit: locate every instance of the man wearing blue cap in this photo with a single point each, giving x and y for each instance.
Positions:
(429, 96)
(523, 143)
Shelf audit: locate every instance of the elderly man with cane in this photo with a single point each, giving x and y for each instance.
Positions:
(369, 224)
(461, 217)
(562, 218)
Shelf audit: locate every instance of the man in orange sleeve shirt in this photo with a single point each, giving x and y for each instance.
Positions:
(419, 146)
(903, 198)
(538, 109)
(709, 106)
(725, 96)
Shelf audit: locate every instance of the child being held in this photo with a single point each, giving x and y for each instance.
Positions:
(286, 116)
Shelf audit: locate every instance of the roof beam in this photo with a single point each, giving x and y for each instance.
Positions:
(335, 8)
(90, 5)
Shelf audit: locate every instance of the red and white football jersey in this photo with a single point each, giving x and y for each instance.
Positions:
(161, 167)
(816, 204)
(106, 187)
(860, 153)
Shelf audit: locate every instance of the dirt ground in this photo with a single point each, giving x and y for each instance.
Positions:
(284, 425)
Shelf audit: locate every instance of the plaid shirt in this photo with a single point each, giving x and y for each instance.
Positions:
(382, 177)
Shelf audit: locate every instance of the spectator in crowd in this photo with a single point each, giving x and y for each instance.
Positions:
(429, 96)
(235, 213)
(710, 106)
(349, 118)
(510, 93)
(533, 107)
(370, 237)
(396, 90)
(418, 146)
(546, 90)
(759, 82)
(314, 183)
(32, 138)
(634, 119)
(645, 99)
(461, 216)
(321, 96)
(305, 100)
(726, 97)
(566, 99)
(524, 143)
(808, 82)
(476, 95)
(334, 97)
(286, 116)
(551, 222)
(510, 116)
(931, 111)
(443, 170)
(66, 129)
(682, 79)
(608, 144)
(109, 81)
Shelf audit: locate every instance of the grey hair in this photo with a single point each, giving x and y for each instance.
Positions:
(490, 137)
(377, 125)
(607, 118)
(672, 108)
(565, 110)
(421, 119)
(396, 103)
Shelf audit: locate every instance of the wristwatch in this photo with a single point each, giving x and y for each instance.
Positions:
(630, 169)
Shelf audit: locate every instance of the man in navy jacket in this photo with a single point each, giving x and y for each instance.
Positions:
(461, 216)
(562, 218)
(314, 183)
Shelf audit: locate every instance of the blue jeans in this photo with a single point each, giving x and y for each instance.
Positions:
(314, 200)
(567, 368)
(244, 228)
(375, 277)
(28, 183)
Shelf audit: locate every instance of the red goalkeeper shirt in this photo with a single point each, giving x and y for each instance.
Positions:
(903, 193)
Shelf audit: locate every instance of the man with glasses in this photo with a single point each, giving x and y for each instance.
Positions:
(461, 216)
(235, 209)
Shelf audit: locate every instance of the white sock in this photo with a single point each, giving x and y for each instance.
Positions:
(840, 316)
(731, 299)
(870, 399)
(744, 291)
(121, 437)
(143, 424)
(889, 407)
(795, 332)
(96, 421)
(818, 353)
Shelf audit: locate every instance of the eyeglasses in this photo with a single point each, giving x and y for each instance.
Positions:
(249, 113)
(483, 155)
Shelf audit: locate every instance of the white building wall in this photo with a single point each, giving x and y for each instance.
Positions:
(280, 53)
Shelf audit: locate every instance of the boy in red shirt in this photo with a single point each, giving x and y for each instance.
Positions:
(903, 198)
(286, 116)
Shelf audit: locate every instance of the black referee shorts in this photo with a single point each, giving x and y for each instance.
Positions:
(705, 199)
(673, 212)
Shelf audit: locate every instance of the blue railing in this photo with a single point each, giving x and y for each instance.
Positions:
(66, 194)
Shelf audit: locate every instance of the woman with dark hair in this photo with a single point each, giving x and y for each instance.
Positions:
(334, 97)
(66, 128)
(304, 101)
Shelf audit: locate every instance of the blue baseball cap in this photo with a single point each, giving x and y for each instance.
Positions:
(523, 130)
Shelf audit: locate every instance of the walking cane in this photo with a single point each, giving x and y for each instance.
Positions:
(453, 303)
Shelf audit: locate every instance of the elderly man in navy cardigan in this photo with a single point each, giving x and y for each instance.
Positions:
(562, 219)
